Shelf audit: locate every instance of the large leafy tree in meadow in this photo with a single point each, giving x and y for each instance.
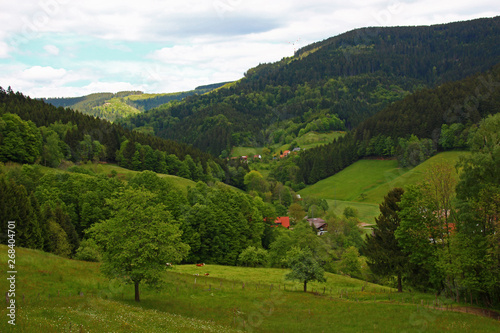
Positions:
(385, 256)
(139, 239)
(304, 266)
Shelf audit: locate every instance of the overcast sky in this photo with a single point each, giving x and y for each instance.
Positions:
(56, 48)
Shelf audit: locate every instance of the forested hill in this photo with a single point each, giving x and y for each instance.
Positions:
(54, 134)
(439, 118)
(124, 103)
(352, 76)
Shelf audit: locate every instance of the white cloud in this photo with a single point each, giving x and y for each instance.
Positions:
(51, 49)
(4, 50)
(45, 74)
(199, 42)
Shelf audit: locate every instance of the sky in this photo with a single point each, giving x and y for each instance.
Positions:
(63, 48)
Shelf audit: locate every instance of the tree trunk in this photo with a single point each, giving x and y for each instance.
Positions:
(400, 285)
(137, 299)
(305, 286)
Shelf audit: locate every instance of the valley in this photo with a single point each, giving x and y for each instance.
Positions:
(350, 187)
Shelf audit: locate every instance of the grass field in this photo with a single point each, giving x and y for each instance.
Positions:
(373, 178)
(366, 211)
(364, 184)
(358, 178)
(106, 169)
(311, 140)
(126, 174)
(246, 151)
(54, 294)
(307, 141)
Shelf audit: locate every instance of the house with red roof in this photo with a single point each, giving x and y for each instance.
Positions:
(285, 154)
(284, 221)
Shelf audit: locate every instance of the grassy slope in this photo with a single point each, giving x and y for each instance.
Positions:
(246, 151)
(122, 173)
(114, 109)
(314, 139)
(307, 141)
(54, 294)
(145, 96)
(372, 178)
(60, 295)
(126, 174)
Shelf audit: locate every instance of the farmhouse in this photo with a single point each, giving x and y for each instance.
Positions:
(319, 224)
(285, 154)
(284, 221)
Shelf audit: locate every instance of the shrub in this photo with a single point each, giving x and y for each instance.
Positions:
(253, 257)
(88, 251)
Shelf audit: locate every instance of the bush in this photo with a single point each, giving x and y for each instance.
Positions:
(88, 251)
(350, 212)
(253, 257)
(350, 263)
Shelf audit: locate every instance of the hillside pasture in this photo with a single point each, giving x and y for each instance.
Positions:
(366, 211)
(364, 184)
(126, 174)
(310, 140)
(369, 180)
(55, 294)
(306, 141)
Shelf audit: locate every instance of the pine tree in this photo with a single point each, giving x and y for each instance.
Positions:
(64, 221)
(385, 257)
(128, 153)
(39, 237)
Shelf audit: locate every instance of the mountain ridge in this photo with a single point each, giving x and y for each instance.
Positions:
(348, 76)
(112, 106)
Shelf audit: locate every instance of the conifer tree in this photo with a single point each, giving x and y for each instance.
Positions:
(385, 256)
(64, 221)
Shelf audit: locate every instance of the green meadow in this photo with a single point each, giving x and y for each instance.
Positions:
(306, 141)
(126, 174)
(364, 184)
(312, 139)
(246, 151)
(108, 169)
(54, 294)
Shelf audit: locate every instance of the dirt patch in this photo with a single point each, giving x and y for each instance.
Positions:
(476, 311)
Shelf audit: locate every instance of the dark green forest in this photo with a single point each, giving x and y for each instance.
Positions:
(352, 76)
(42, 128)
(419, 125)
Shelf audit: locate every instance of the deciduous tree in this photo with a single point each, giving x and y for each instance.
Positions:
(304, 266)
(139, 239)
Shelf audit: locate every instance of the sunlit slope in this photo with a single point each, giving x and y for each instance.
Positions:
(55, 294)
(369, 180)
